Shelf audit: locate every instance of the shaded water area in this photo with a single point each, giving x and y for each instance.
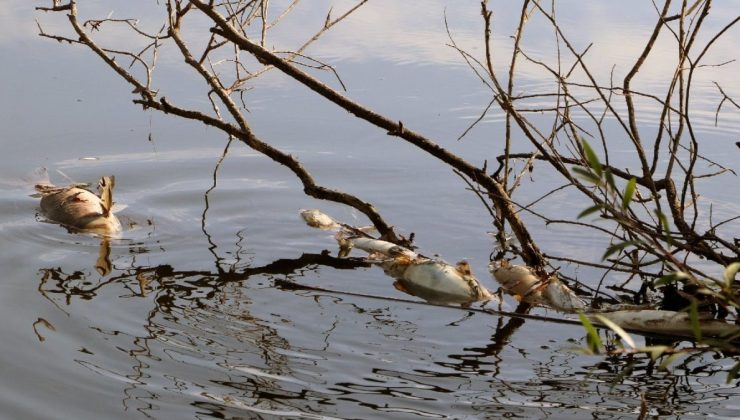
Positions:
(198, 316)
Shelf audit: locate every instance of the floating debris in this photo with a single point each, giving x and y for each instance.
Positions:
(79, 208)
(522, 282)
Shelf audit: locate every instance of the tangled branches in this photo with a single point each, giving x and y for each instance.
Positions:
(649, 207)
(654, 211)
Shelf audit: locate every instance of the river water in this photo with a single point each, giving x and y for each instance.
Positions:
(197, 316)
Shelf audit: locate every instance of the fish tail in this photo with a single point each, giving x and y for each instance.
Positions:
(105, 185)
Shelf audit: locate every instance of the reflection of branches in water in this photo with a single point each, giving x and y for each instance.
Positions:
(240, 234)
(170, 286)
(140, 352)
(77, 284)
(662, 390)
(181, 295)
(613, 387)
(45, 323)
(254, 394)
(477, 358)
(212, 247)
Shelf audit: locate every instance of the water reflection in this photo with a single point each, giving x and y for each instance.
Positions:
(188, 307)
(209, 339)
(102, 263)
(228, 342)
(235, 341)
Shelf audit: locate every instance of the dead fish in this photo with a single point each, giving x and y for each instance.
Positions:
(79, 208)
(315, 218)
(522, 282)
(375, 247)
(320, 220)
(437, 281)
(432, 280)
(516, 280)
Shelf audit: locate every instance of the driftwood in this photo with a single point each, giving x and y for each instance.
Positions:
(669, 323)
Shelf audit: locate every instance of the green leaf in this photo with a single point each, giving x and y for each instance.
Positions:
(593, 160)
(586, 175)
(730, 272)
(664, 225)
(610, 179)
(626, 338)
(590, 210)
(629, 192)
(694, 318)
(592, 336)
(663, 221)
(670, 278)
(616, 248)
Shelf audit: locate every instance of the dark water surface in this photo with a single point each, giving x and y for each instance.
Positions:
(196, 318)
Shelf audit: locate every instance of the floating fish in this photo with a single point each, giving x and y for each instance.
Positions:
(522, 282)
(430, 279)
(316, 219)
(79, 208)
(375, 247)
(438, 282)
